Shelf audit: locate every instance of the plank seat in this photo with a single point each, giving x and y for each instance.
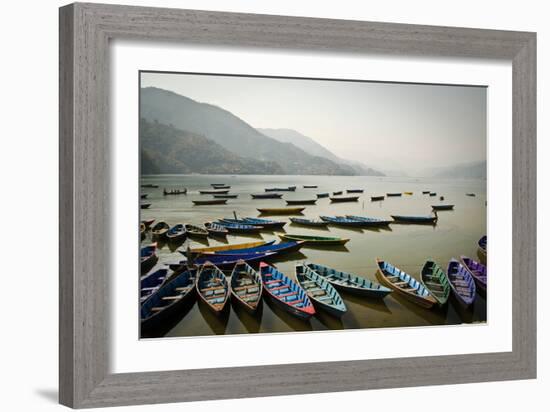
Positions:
(175, 297)
(296, 302)
(183, 289)
(319, 292)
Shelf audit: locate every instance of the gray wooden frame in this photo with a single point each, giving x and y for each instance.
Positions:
(85, 31)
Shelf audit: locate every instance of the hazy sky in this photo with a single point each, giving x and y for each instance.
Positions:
(397, 126)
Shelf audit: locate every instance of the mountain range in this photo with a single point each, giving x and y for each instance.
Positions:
(209, 127)
(312, 147)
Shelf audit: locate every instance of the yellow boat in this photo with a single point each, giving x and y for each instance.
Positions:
(281, 210)
(228, 247)
(408, 193)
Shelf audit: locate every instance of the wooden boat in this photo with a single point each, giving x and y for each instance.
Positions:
(433, 194)
(145, 205)
(408, 193)
(443, 207)
(150, 185)
(310, 186)
(337, 193)
(246, 286)
(435, 279)
(416, 219)
(151, 283)
(462, 283)
(404, 284)
(213, 192)
(281, 189)
(314, 240)
(344, 199)
(174, 192)
(168, 300)
(213, 287)
(148, 258)
(393, 194)
(142, 230)
(354, 191)
(255, 221)
(425, 192)
(224, 261)
(482, 246)
(320, 291)
(322, 195)
(370, 221)
(209, 202)
(279, 249)
(148, 223)
(301, 202)
(143, 196)
(225, 196)
(377, 198)
(160, 229)
(220, 186)
(281, 210)
(215, 229)
(285, 293)
(234, 246)
(176, 233)
(342, 221)
(471, 194)
(477, 270)
(308, 222)
(350, 283)
(239, 228)
(193, 230)
(266, 196)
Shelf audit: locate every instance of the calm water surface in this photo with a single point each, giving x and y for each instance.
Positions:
(405, 246)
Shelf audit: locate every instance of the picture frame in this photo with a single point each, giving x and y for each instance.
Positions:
(85, 33)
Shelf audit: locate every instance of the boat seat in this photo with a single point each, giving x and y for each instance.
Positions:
(175, 297)
(183, 289)
(296, 302)
(215, 301)
(319, 292)
(269, 282)
(400, 284)
(149, 288)
(278, 288)
(157, 308)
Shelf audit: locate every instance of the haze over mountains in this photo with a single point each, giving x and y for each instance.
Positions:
(219, 126)
(181, 135)
(312, 147)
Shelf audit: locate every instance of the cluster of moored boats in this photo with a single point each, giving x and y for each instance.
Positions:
(220, 193)
(164, 292)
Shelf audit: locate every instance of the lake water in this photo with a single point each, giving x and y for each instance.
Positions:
(405, 246)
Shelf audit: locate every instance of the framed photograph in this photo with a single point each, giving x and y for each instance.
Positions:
(258, 205)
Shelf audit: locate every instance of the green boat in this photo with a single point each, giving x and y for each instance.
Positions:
(315, 240)
(436, 281)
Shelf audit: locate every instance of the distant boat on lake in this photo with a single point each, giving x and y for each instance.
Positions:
(266, 196)
(281, 189)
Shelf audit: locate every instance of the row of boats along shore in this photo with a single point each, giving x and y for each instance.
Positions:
(220, 193)
(244, 273)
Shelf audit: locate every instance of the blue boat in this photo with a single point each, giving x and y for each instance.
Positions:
(370, 221)
(246, 286)
(213, 287)
(255, 221)
(320, 291)
(342, 221)
(215, 229)
(151, 283)
(148, 258)
(350, 283)
(462, 283)
(482, 246)
(308, 222)
(239, 227)
(226, 261)
(168, 300)
(404, 284)
(176, 233)
(279, 248)
(285, 293)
